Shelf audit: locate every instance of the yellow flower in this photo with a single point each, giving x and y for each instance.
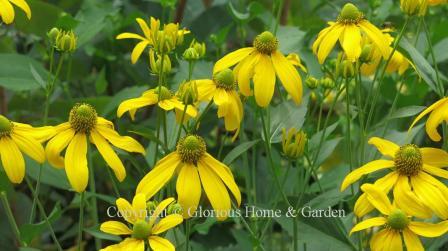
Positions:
(262, 63)
(436, 2)
(16, 138)
(166, 100)
(414, 7)
(145, 228)
(348, 29)
(162, 41)
(7, 11)
(438, 114)
(394, 223)
(194, 167)
(222, 89)
(410, 170)
(84, 124)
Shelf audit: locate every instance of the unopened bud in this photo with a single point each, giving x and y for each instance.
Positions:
(327, 83)
(66, 41)
(312, 82)
(188, 93)
(414, 7)
(156, 65)
(53, 35)
(293, 143)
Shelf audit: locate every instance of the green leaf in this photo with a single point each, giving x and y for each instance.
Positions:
(240, 16)
(316, 138)
(44, 17)
(101, 82)
(16, 73)
(327, 149)
(29, 231)
(287, 115)
(290, 39)
(50, 175)
(407, 111)
(441, 51)
(237, 151)
(95, 232)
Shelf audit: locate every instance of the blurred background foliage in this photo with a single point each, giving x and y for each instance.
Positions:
(99, 72)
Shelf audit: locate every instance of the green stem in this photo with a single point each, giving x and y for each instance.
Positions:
(209, 105)
(187, 235)
(81, 220)
(434, 61)
(114, 183)
(295, 232)
(362, 133)
(349, 140)
(156, 152)
(279, 12)
(179, 131)
(10, 217)
(92, 187)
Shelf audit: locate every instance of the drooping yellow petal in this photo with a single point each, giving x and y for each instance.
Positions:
(434, 157)
(366, 169)
(6, 11)
(166, 104)
(436, 171)
(159, 176)
(378, 240)
(363, 205)
(41, 134)
(123, 142)
(264, 81)
(104, 122)
(429, 229)
(386, 147)
(24, 6)
(76, 162)
(144, 26)
(372, 222)
(109, 155)
(224, 173)
(135, 103)
(159, 243)
(188, 187)
(126, 210)
(322, 34)
(115, 228)
(232, 58)
(138, 50)
(56, 145)
(12, 160)
(29, 146)
(167, 223)
(428, 110)
(159, 209)
(376, 36)
(221, 97)
(245, 71)
(206, 88)
(288, 75)
(394, 242)
(127, 35)
(434, 120)
(139, 206)
(179, 106)
(378, 198)
(406, 200)
(216, 192)
(132, 244)
(351, 42)
(412, 241)
(328, 42)
(430, 195)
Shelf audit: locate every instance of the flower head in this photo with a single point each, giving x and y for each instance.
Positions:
(145, 227)
(394, 223)
(66, 41)
(195, 167)
(16, 138)
(414, 7)
(437, 114)
(84, 124)
(262, 63)
(410, 169)
(162, 96)
(348, 29)
(293, 143)
(222, 90)
(7, 12)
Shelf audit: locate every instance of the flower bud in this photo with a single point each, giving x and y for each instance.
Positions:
(156, 65)
(199, 47)
(327, 83)
(66, 41)
(344, 67)
(53, 35)
(366, 54)
(188, 93)
(293, 143)
(312, 82)
(414, 7)
(190, 54)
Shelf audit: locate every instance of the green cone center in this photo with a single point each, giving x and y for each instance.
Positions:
(5, 126)
(191, 148)
(408, 160)
(266, 43)
(83, 118)
(225, 79)
(141, 230)
(165, 93)
(397, 220)
(350, 14)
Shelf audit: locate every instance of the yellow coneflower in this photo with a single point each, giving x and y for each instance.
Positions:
(171, 34)
(407, 164)
(437, 115)
(195, 167)
(222, 89)
(348, 29)
(166, 100)
(395, 223)
(145, 227)
(262, 63)
(16, 138)
(85, 124)
(7, 12)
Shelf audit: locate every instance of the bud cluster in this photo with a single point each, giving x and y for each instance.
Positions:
(293, 143)
(64, 41)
